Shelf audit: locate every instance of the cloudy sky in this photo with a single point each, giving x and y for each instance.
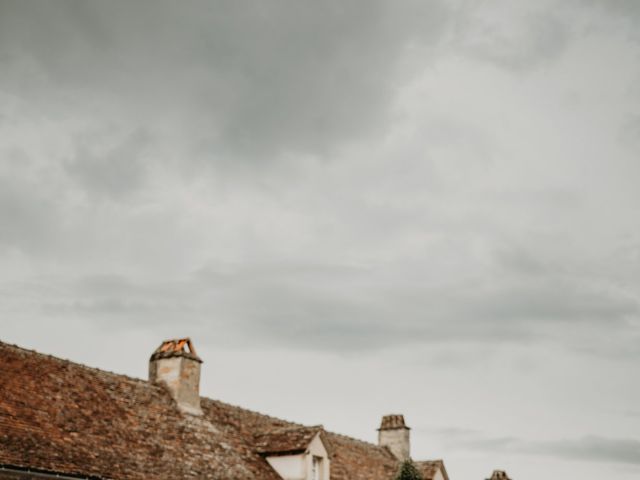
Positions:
(353, 208)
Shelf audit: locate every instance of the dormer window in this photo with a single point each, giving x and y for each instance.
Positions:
(316, 468)
(298, 453)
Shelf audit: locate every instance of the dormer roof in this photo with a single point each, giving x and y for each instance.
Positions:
(429, 468)
(289, 440)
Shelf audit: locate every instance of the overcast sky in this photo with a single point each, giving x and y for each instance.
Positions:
(352, 207)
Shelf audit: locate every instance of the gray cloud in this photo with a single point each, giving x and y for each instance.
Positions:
(117, 171)
(590, 448)
(443, 191)
(629, 8)
(520, 42)
(256, 82)
(28, 217)
(630, 133)
(594, 448)
(343, 308)
(22, 220)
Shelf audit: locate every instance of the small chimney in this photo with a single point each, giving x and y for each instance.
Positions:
(499, 475)
(176, 364)
(394, 435)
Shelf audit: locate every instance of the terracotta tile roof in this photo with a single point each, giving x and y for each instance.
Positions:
(286, 441)
(60, 416)
(429, 468)
(56, 415)
(357, 460)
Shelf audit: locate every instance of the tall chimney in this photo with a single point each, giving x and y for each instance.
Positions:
(176, 364)
(394, 435)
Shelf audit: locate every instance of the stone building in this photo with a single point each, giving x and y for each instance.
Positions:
(59, 419)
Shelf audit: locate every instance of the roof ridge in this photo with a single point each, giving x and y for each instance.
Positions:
(140, 380)
(74, 363)
(254, 412)
(357, 440)
(299, 427)
(291, 424)
(291, 428)
(134, 404)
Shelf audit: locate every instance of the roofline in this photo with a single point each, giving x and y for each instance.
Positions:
(326, 443)
(146, 382)
(40, 472)
(440, 463)
(206, 399)
(76, 363)
(282, 453)
(444, 470)
(149, 384)
(321, 434)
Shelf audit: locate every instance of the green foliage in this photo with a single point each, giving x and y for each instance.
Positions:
(408, 471)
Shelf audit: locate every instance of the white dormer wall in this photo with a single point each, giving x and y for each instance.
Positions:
(289, 467)
(438, 475)
(300, 466)
(316, 449)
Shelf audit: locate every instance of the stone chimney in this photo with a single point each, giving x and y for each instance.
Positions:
(394, 435)
(176, 364)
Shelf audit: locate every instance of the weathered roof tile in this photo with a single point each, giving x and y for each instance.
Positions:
(56, 415)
